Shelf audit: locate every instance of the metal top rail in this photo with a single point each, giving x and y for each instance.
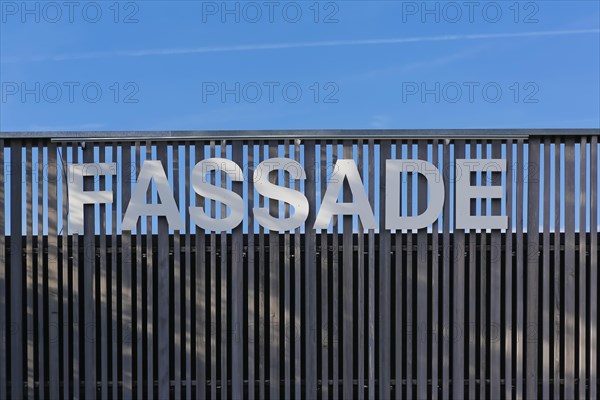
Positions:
(101, 136)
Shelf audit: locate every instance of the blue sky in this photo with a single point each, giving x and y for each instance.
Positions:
(157, 65)
(185, 65)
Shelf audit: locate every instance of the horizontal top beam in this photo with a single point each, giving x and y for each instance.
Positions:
(69, 136)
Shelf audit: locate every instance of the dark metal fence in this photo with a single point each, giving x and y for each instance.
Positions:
(343, 312)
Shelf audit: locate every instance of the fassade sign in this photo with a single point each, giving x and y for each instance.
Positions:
(345, 169)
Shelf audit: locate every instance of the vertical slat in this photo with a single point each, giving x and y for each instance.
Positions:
(202, 328)
(297, 290)
(30, 364)
(472, 330)
(163, 293)
(140, 273)
(286, 291)
(569, 273)
(411, 330)
(495, 284)
(77, 318)
(422, 282)
(360, 276)
(324, 324)
(371, 277)
(335, 289)
(224, 294)
(508, 268)
(142, 268)
(593, 288)
(150, 327)
(131, 294)
(4, 393)
(274, 292)
(557, 271)
(398, 297)
(237, 290)
(458, 364)
(41, 279)
(519, 271)
(533, 187)
(41, 300)
(178, 343)
(16, 271)
(546, 275)
(67, 280)
(213, 292)
(89, 257)
(53, 328)
(116, 330)
(143, 355)
(103, 297)
(188, 286)
(436, 330)
(126, 274)
(347, 295)
(448, 163)
(262, 319)
(310, 277)
(582, 272)
(384, 314)
(252, 324)
(484, 291)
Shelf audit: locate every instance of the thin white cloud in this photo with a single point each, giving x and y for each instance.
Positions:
(287, 46)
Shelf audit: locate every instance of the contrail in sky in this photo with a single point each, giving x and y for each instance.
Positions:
(292, 45)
